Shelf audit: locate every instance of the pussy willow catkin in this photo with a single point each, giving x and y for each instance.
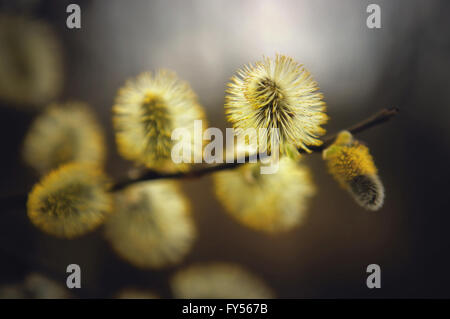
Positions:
(147, 110)
(64, 133)
(218, 281)
(151, 226)
(266, 202)
(134, 293)
(277, 93)
(35, 286)
(353, 167)
(70, 201)
(30, 61)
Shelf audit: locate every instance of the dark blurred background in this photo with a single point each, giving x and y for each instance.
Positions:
(405, 64)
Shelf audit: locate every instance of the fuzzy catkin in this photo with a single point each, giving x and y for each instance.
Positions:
(218, 281)
(151, 226)
(352, 166)
(277, 93)
(147, 110)
(70, 201)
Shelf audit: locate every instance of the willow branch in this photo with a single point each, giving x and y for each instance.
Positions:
(374, 120)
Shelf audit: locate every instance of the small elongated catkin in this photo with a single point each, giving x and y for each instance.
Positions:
(353, 167)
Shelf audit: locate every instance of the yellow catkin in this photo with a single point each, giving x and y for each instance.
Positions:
(146, 111)
(70, 201)
(277, 93)
(35, 286)
(218, 281)
(135, 293)
(267, 202)
(64, 133)
(30, 61)
(347, 162)
(351, 164)
(151, 226)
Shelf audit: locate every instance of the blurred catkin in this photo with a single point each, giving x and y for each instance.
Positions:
(134, 293)
(30, 61)
(64, 133)
(151, 226)
(146, 111)
(267, 202)
(35, 286)
(70, 201)
(218, 281)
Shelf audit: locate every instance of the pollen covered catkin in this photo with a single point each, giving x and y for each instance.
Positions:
(64, 133)
(151, 226)
(147, 110)
(218, 281)
(351, 164)
(70, 201)
(277, 93)
(135, 293)
(30, 61)
(35, 286)
(271, 203)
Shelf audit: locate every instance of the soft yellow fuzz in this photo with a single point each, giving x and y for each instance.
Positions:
(353, 167)
(134, 293)
(271, 202)
(35, 286)
(218, 281)
(64, 133)
(151, 226)
(277, 93)
(30, 61)
(147, 110)
(348, 158)
(70, 201)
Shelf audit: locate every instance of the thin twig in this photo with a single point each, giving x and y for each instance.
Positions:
(381, 116)
(376, 119)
